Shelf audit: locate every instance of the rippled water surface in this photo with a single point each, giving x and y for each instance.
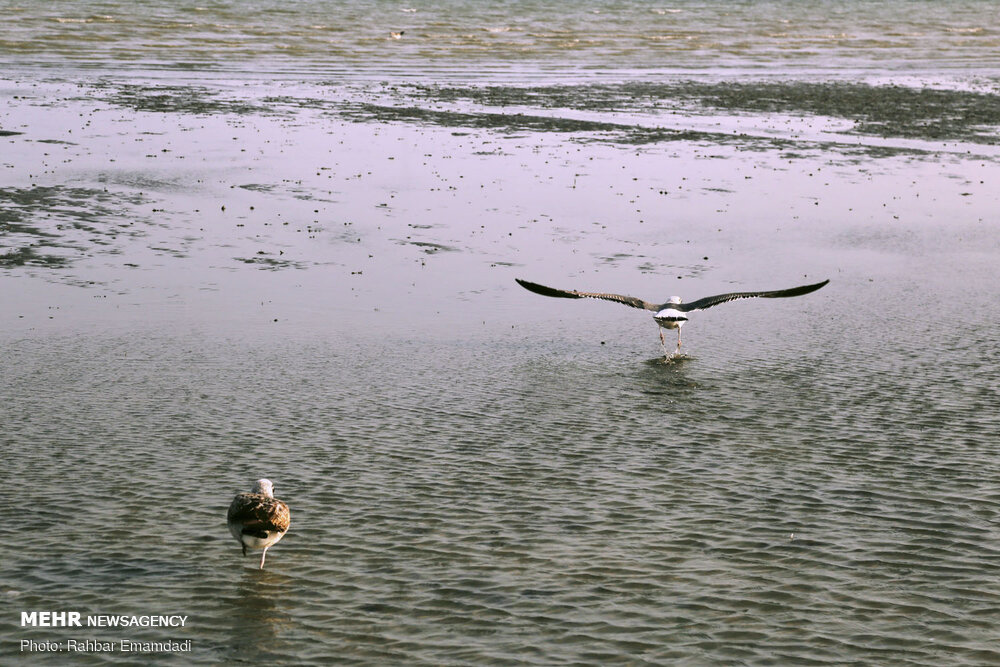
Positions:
(243, 240)
(311, 35)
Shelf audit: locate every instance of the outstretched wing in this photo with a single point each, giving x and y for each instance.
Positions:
(710, 301)
(573, 294)
(258, 512)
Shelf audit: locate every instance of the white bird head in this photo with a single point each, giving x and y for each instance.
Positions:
(264, 488)
(674, 300)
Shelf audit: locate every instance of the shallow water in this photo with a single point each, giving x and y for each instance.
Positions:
(291, 270)
(313, 36)
(498, 497)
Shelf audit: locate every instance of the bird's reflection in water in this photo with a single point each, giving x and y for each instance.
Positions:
(671, 375)
(259, 616)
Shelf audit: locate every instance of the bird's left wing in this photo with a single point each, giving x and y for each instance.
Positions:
(710, 301)
(573, 294)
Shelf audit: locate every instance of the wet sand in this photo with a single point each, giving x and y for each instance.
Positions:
(361, 200)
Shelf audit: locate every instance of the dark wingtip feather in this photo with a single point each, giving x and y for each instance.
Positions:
(545, 291)
(805, 289)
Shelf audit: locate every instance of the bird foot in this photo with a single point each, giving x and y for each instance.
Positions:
(676, 355)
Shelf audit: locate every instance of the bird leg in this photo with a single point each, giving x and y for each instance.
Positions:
(663, 342)
(678, 350)
(244, 549)
(262, 558)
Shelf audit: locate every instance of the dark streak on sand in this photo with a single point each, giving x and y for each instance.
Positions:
(428, 247)
(178, 99)
(270, 263)
(620, 134)
(27, 255)
(885, 111)
(513, 123)
(64, 220)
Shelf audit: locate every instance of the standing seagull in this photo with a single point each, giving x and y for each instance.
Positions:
(669, 315)
(258, 519)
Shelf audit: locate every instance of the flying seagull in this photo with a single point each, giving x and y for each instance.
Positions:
(673, 313)
(258, 519)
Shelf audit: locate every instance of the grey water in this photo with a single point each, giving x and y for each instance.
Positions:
(243, 240)
(317, 36)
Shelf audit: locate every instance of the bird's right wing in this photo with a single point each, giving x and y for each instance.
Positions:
(710, 301)
(573, 294)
